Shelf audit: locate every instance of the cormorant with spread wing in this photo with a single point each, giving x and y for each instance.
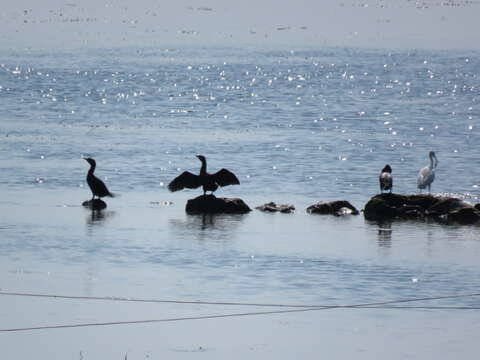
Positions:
(96, 185)
(209, 182)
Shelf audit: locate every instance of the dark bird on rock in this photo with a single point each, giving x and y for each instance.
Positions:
(209, 182)
(96, 185)
(385, 179)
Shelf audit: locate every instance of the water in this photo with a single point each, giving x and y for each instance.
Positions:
(296, 127)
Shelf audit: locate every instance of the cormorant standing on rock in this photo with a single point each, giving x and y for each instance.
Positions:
(209, 182)
(96, 185)
(427, 174)
(385, 179)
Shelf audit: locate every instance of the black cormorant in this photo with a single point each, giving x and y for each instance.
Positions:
(385, 179)
(96, 185)
(209, 182)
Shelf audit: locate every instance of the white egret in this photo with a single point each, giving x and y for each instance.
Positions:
(427, 174)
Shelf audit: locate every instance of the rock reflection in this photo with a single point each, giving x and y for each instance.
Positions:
(98, 217)
(207, 226)
(384, 234)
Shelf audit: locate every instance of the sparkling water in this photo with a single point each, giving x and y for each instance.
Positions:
(295, 127)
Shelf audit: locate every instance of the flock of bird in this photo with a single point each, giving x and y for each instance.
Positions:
(425, 176)
(224, 177)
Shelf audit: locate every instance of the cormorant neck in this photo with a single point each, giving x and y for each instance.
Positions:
(203, 169)
(431, 162)
(92, 169)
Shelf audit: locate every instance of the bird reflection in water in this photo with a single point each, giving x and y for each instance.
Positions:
(208, 221)
(98, 216)
(208, 226)
(385, 234)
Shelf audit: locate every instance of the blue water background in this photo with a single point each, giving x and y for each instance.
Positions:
(295, 127)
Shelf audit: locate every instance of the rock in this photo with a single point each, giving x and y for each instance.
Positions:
(379, 208)
(337, 208)
(410, 212)
(95, 204)
(468, 215)
(419, 206)
(445, 205)
(273, 207)
(477, 206)
(210, 204)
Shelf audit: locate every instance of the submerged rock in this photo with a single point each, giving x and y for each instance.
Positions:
(419, 206)
(337, 208)
(95, 204)
(273, 207)
(210, 204)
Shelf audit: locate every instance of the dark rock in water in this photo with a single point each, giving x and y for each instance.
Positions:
(445, 205)
(273, 207)
(419, 206)
(468, 215)
(337, 208)
(210, 204)
(379, 208)
(96, 204)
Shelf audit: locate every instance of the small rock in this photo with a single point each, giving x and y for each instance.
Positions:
(96, 204)
(273, 207)
(210, 204)
(337, 208)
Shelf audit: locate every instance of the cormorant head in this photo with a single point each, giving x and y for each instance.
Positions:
(433, 156)
(90, 161)
(387, 169)
(201, 158)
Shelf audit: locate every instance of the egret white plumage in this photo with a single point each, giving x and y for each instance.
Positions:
(386, 179)
(427, 174)
(209, 182)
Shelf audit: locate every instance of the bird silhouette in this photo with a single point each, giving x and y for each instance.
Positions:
(97, 186)
(209, 182)
(427, 174)
(386, 179)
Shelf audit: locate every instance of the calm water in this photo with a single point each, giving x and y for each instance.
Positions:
(296, 127)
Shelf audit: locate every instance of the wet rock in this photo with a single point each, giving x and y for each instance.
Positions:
(411, 212)
(445, 205)
(467, 215)
(273, 207)
(96, 204)
(337, 208)
(379, 208)
(210, 204)
(419, 206)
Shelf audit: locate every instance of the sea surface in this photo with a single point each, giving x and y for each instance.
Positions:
(296, 127)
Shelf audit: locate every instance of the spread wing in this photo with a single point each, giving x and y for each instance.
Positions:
(184, 180)
(225, 177)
